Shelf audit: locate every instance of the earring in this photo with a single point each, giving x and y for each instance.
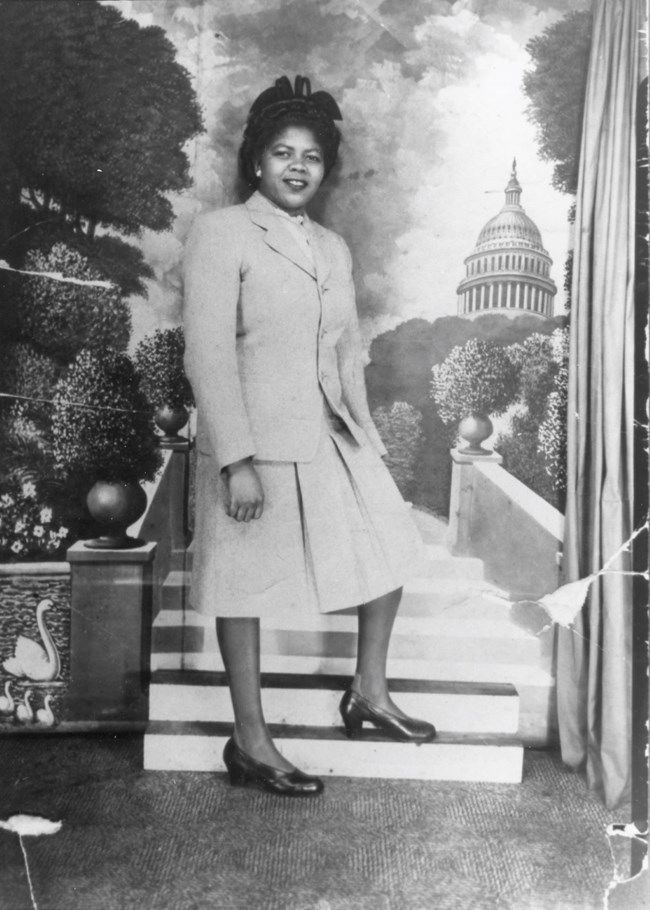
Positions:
(258, 172)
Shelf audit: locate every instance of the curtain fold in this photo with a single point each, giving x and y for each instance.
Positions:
(595, 655)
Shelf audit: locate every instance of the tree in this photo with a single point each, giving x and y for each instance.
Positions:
(537, 371)
(400, 370)
(534, 446)
(59, 318)
(478, 377)
(555, 87)
(400, 428)
(94, 113)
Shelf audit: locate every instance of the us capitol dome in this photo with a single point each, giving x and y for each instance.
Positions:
(508, 271)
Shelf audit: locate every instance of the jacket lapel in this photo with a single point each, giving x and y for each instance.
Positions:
(321, 248)
(276, 235)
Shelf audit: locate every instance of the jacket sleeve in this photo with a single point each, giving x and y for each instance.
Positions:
(211, 271)
(351, 372)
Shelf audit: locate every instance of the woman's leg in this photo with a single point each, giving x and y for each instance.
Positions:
(239, 642)
(376, 620)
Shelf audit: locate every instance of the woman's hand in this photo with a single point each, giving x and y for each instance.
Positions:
(245, 493)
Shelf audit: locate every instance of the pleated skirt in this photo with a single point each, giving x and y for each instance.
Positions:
(335, 533)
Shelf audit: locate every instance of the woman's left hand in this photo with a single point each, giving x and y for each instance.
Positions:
(245, 492)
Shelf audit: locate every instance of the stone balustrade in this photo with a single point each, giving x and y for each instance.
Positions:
(500, 520)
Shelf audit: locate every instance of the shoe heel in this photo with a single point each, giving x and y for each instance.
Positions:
(352, 726)
(352, 720)
(237, 776)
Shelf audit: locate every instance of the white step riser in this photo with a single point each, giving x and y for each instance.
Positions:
(453, 713)
(434, 591)
(452, 624)
(435, 761)
(324, 645)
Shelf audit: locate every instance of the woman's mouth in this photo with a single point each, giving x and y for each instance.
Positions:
(296, 184)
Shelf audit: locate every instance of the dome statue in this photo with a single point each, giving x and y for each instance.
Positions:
(508, 271)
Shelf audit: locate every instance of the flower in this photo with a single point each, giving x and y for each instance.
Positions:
(29, 490)
(63, 532)
(21, 532)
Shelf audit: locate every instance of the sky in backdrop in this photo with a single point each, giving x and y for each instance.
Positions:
(434, 113)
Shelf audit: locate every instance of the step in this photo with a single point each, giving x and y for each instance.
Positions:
(439, 563)
(432, 529)
(422, 596)
(318, 635)
(326, 751)
(297, 699)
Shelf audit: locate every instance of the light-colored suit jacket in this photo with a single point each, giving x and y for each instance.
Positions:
(267, 333)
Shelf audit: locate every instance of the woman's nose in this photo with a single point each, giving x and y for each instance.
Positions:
(298, 165)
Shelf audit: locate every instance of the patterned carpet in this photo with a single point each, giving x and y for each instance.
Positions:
(172, 841)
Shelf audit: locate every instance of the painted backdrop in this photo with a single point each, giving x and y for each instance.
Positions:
(434, 112)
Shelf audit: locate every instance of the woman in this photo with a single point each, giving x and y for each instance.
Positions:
(295, 509)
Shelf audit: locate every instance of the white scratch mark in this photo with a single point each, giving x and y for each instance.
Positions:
(626, 830)
(58, 276)
(621, 880)
(29, 826)
(72, 404)
(564, 604)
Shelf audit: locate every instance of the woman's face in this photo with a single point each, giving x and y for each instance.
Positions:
(291, 169)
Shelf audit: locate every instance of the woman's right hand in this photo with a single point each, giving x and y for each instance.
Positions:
(245, 493)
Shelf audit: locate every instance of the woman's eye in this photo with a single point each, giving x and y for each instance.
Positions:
(314, 158)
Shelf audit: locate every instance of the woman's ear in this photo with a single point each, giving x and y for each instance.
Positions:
(258, 169)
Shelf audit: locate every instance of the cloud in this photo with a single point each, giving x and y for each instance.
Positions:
(434, 113)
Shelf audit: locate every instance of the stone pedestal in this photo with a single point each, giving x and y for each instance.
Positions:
(460, 504)
(110, 635)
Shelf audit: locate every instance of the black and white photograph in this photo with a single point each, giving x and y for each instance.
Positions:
(324, 387)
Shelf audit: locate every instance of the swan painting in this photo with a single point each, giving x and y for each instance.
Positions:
(44, 715)
(24, 712)
(40, 663)
(7, 703)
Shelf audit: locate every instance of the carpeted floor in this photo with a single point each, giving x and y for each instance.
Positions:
(172, 841)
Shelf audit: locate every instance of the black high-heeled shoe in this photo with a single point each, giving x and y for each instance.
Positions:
(245, 771)
(355, 709)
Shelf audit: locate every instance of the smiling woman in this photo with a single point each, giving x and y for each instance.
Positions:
(291, 170)
(295, 509)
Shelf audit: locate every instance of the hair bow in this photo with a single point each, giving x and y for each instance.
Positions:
(300, 91)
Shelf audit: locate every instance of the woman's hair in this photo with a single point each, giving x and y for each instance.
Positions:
(263, 127)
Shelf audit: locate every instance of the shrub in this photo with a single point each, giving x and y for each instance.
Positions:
(101, 421)
(553, 432)
(159, 364)
(522, 458)
(27, 373)
(61, 318)
(535, 359)
(400, 428)
(477, 377)
(534, 449)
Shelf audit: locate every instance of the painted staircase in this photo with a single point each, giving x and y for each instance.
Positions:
(462, 655)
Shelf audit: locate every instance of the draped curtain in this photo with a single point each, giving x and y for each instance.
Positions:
(594, 656)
